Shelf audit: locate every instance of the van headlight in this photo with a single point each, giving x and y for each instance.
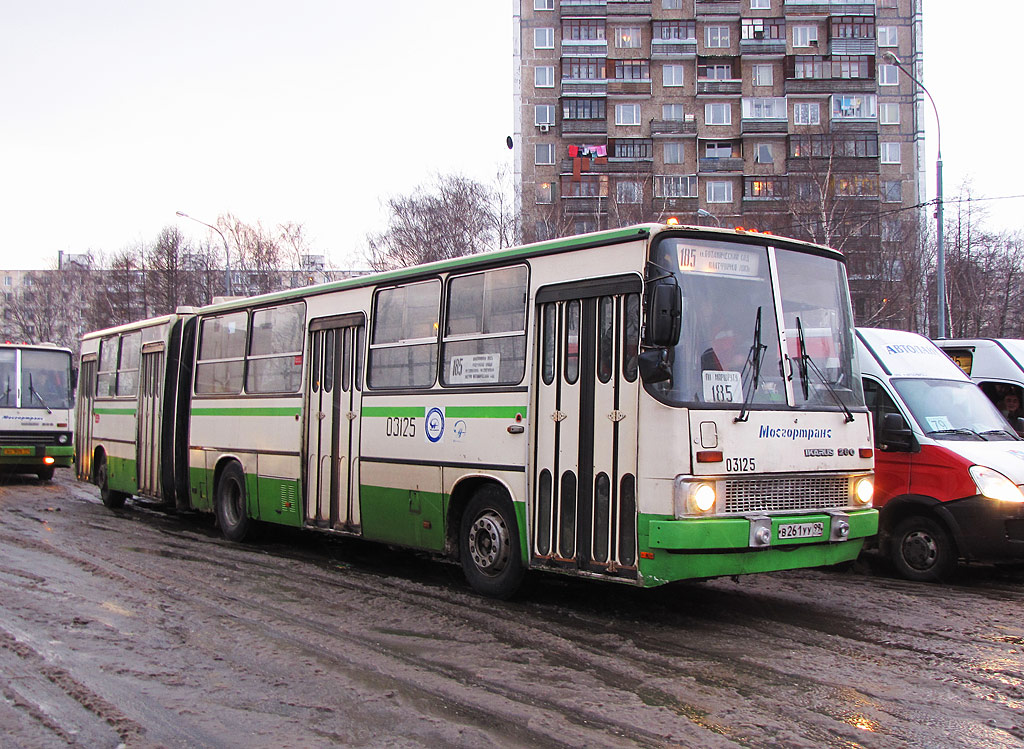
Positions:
(994, 485)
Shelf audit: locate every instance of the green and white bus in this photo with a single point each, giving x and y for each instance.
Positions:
(36, 402)
(644, 405)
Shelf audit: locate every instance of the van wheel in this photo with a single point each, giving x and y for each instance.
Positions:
(110, 498)
(922, 550)
(232, 508)
(489, 545)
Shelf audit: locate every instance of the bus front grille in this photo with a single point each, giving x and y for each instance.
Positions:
(786, 493)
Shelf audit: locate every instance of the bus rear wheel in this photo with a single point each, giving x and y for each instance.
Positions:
(232, 508)
(922, 550)
(489, 545)
(112, 499)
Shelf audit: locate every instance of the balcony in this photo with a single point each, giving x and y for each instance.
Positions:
(591, 9)
(835, 7)
(663, 48)
(588, 48)
(718, 7)
(673, 127)
(572, 87)
(629, 7)
(829, 85)
(764, 126)
(729, 164)
(612, 166)
(851, 46)
(762, 46)
(577, 206)
(589, 127)
(719, 88)
(629, 88)
(677, 205)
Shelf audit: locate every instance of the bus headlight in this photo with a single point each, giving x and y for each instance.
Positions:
(62, 439)
(693, 497)
(995, 485)
(864, 490)
(703, 497)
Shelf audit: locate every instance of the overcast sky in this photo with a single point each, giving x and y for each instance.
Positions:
(117, 113)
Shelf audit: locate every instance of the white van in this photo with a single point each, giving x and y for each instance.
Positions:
(948, 466)
(996, 364)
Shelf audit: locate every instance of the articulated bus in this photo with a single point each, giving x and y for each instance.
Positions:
(643, 405)
(36, 400)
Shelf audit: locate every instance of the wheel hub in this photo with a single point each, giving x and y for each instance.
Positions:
(489, 543)
(920, 550)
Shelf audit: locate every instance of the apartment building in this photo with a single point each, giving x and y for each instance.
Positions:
(782, 115)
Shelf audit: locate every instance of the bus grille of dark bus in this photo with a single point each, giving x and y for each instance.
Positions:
(29, 438)
(781, 494)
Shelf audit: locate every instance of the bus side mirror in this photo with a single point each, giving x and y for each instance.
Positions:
(664, 314)
(895, 434)
(654, 365)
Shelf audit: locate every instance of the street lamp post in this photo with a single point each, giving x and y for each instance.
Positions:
(708, 214)
(227, 252)
(940, 264)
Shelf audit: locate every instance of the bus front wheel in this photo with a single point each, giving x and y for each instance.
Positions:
(922, 550)
(45, 473)
(112, 499)
(232, 508)
(489, 545)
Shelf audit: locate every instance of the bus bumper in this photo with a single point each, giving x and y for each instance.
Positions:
(16, 456)
(719, 546)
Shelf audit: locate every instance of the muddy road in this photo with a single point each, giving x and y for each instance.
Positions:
(142, 629)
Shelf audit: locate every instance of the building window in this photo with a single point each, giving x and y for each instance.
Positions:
(583, 30)
(718, 149)
(717, 114)
(672, 4)
(632, 70)
(759, 29)
(890, 153)
(675, 31)
(672, 112)
(716, 37)
(808, 113)
(583, 68)
(633, 149)
(674, 153)
(762, 75)
(819, 67)
(544, 154)
(588, 186)
(760, 4)
(544, 38)
(854, 106)
(627, 37)
(583, 109)
(856, 185)
(764, 108)
(719, 191)
(675, 186)
(888, 36)
(545, 193)
(672, 75)
(818, 144)
(627, 114)
(763, 153)
(544, 76)
(805, 36)
(764, 188)
(543, 4)
(892, 191)
(889, 114)
(888, 75)
(715, 72)
(544, 114)
(7, 280)
(629, 192)
(853, 27)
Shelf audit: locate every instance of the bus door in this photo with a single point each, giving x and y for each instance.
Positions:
(83, 419)
(332, 422)
(149, 422)
(584, 495)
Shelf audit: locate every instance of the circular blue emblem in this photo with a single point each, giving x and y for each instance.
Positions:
(434, 424)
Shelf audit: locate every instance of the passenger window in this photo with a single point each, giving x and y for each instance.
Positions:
(403, 344)
(275, 353)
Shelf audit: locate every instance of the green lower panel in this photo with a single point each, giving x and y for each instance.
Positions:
(122, 475)
(277, 500)
(200, 483)
(402, 516)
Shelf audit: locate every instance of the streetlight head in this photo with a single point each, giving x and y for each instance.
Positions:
(705, 214)
(894, 58)
(181, 213)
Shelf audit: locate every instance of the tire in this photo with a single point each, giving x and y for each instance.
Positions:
(922, 550)
(45, 474)
(489, 545)
(110, 498)
(231, 505)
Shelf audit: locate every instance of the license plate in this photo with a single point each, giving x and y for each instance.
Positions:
(17, 451)
(801, 530)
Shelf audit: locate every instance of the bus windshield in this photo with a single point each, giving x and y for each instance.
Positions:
(730, 349)
(45, 379)
(953, 410)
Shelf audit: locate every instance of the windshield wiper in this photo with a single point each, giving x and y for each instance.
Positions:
(7, 393)
(32, 391)
(997, 432)
(757, 349)
(957, 430)
(807, 362)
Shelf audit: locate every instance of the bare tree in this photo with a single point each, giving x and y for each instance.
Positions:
(169, 258)
(256, 259)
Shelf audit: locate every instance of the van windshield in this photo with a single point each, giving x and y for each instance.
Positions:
(951, 410)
